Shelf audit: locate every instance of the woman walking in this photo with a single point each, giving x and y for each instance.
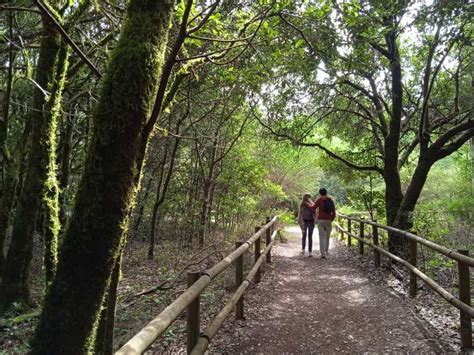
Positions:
(326, 214)
(306, 222)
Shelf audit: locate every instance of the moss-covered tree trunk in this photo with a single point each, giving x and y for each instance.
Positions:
(51, 184)
(64, 165)
(107, 190)
(39, 168)
(105, 331)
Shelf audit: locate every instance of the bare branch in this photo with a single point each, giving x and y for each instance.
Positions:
(205, 18)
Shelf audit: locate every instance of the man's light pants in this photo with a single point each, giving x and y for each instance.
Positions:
(324, 229)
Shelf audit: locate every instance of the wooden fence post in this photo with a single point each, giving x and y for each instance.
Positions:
(239, 278)
(465, 296)
(349, 229)
(268, 240)
(375, 236)
(192, 316)
(413, 261)
(341, 223)
(257, 255)
(361, 235)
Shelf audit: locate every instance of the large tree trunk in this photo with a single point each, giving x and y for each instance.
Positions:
(96, 231)
(105, 331)
(404, 218)
(391, 173)
(40, 168)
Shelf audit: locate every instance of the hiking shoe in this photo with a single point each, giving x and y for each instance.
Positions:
(323, 256)
(310, 255)
(302, 252)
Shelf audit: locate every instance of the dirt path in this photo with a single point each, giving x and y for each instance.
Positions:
(314, 305)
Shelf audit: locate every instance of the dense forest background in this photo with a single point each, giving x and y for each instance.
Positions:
(151, 135)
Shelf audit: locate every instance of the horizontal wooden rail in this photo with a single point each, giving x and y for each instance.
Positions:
(212, 329)
(145, 337)
(463, 303)
(450, 253)
(431, 283)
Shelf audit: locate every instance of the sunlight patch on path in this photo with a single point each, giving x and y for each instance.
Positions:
(313, 305)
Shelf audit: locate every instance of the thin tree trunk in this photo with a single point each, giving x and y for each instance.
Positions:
(97, 228)
(204, 211)
(11, 185)
(51, 185)
(471, 141)
(41, 158)
(161, 191)
(5, 154)
(65, 166)
(207, 188)
(154, 222)
(146, 190)
(151, 240)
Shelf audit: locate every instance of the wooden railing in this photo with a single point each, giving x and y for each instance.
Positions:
(197, 342)
(463, 303)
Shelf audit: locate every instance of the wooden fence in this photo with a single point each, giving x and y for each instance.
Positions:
(197, 342)
(463, 303)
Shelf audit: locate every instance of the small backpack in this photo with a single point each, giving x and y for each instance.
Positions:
(328, 205)
(306, 213)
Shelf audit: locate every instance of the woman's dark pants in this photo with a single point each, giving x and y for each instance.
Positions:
(308, 232)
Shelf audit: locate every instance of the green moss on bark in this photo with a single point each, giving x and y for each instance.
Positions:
(51, 185)
(41, 148)
(96, 231)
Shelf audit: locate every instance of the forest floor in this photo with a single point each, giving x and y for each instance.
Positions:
(314, 305)
(339, 304)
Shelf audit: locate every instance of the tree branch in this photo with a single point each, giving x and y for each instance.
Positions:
(438, 148)
(455, 145)
(297, 29)
(45, 12)
(167, 69)
(326, 150)
(205, 18)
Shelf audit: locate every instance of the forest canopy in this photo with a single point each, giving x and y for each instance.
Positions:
(154, 121)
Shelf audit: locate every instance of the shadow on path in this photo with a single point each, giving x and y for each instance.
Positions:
(313, 305)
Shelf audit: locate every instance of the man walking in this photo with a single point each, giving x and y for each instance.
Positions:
(326, 210)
